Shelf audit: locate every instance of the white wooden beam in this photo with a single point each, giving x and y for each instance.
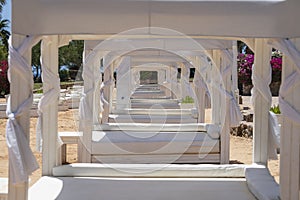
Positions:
(49, 56)
(199, 91)
(262, 102)
(123, 84)
(108, 77)
(215, 94)
(290, 138)
(234, 76)
(225, 132)
(84, 144)
(17, 95)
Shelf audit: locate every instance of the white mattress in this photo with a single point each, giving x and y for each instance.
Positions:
(75, 188)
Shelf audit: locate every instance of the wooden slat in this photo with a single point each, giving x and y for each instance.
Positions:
(153, 111)
(124, 148)
(151, 170)
(156, 101)
(144, 127)
(149, 136)
(159, 119)
(168, 158)
(153, 105)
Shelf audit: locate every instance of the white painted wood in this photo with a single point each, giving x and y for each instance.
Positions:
(84, 144)
(156, 148)
(97, 85)
(123, 83)
(148, 158)
(108, 76)
(184, 78)
(174, 82)
(153, 170)
(142, 111)
(167, 83)
(67, 138)
(49, 56)
(234, 88)
(159, 119)
(199, 92)
(289, 149)
(225, 132)
(17, 95)
(3, 188)
(145, 127)
(70, 137)
(215, 94)
(261, 105)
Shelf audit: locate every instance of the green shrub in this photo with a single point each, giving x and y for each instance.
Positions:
(275, 109)
(188, 99)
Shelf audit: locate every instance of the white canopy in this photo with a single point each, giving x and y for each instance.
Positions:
(238, 18)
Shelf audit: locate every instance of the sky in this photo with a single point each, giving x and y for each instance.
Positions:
(6, 13)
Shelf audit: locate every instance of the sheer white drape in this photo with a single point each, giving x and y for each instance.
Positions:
(22, 160)
(235, 114)
(52, 80)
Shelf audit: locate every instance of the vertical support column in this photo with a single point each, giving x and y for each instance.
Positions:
(123, 84)
(108, 78)
(261, 76)
(161, 77)
(17, 95)
(215, 95)
(49, 55)
(184, 80)
(290, 147)
(168, 82)
(84, 144)
(199, 90)
(174, 83)
(226, 72)
(234, 88)
(97, 84)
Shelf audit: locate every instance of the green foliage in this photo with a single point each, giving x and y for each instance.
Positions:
(36, 53)
(4, 33)
(275, 109)
(3, 53)
(148, 77)
(71, 55)
(188, 99)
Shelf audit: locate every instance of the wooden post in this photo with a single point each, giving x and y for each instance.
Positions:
(235, 89)
(168, 85)
(174, 84)
(49, 55)
(289, 149)
(199, 91)
(262, 71)
(184, 78)
(123, 84)
(108, 77)
(225, 132)
(97, 85)
(17, 95)
(215, 94)
(84, 144)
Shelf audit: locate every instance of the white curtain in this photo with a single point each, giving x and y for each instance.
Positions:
(22, 160)
(235, 114)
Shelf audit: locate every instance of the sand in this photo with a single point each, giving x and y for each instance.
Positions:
(240, 148)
